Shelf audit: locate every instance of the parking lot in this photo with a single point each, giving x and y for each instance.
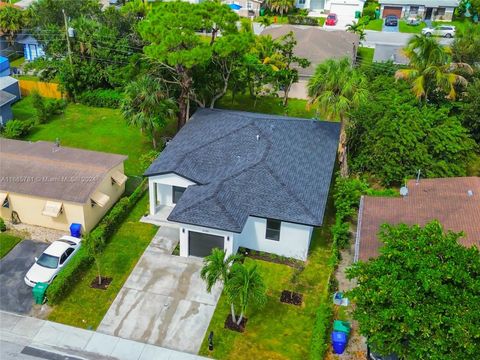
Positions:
(15, 295)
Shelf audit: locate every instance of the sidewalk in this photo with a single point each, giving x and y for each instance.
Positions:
(54, 338)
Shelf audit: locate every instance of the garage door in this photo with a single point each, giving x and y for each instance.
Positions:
(392, 10)
(201, 245)
(345, 12)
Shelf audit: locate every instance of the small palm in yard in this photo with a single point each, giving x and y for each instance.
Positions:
(431, 70)
(358, 28)
(92, 244)
(148, 106)
(335, 89)
(265, 21)
(246, 287)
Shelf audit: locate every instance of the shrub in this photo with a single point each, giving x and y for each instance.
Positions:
(302, 20)
(45, 109)
(341, 233)
(108, 98)
(369, 9)
(321, 329)
(69, 276)
(3, 227)
(16, 129)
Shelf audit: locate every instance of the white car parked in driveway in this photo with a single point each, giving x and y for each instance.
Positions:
(52, 260)
(447, 31)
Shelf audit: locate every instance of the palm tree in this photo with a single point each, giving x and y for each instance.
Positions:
(265, 21)
(430, 68)
(216, 268)
(246, 286)
(280, 6)
(147, 105)
(335, 89)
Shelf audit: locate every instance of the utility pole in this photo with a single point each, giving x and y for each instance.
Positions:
(69, 49)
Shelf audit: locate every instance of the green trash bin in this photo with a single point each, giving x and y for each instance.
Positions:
(262, 11)
(39, 292)
(342, 326)
(358, 14)
(377, 14)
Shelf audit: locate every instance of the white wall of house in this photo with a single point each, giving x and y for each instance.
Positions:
(294, 238)
(160, 189)
(228, 240)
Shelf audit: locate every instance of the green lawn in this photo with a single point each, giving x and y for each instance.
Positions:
(7, 243)
(375, 24)
(366, 56)
(89, 128)
(405, 28)
(17, 62)
(85, 307)
(266, 104)
(278, 331)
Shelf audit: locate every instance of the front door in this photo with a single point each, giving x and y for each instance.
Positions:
(428, 13)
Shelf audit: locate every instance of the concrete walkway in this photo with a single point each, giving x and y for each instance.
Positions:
(23, 337)
(164, 301)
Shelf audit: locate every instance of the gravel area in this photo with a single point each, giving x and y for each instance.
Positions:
(37, 233)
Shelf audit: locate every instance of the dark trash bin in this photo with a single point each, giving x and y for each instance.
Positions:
(339, 341)
(76, 230)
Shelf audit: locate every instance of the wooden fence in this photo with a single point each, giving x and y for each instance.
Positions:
(45, 89)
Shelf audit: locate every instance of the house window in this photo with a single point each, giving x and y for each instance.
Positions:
(441, 11)
(249, 5)
(413, 10)
(177, 193)
(273, 230)
(301, 2)
(6, 203)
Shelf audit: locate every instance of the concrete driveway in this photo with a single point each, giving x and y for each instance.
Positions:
(15, 295)
(392, 29)
(164, 301)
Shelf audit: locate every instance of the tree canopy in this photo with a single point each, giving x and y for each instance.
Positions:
(420, 298)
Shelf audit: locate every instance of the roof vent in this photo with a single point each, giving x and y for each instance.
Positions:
(470, 193)
(258, 137)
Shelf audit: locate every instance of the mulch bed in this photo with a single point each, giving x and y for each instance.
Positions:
(103, 286)
(290, 297)
(232, 325)
(297, 264)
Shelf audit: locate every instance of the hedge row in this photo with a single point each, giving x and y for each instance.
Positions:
(302, 20)
(321, 329)
(81, 262)
(107, 98)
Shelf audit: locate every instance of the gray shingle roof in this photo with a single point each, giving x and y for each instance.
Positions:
(427, 3)
(247, 164)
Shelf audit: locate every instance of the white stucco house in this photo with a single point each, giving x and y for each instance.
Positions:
(234, 179)
(345, 9)
(436, 10)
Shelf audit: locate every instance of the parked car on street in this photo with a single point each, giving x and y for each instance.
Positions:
(52, 260)
(447, 31)
(391, 20)
(332, 20)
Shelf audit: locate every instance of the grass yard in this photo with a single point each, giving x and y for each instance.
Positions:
(366, 56)
(17, 62)
(7, 243)
(375, 24)
(85, 307)
(403, 27)
(267, 105)
(85, 127)
(278, 331)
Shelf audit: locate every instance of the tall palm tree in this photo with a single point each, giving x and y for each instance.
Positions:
(147, 105)
(430, 68)
(335, 89)
(246, 286)
(280, 6)
(216, 268)
(357, 27)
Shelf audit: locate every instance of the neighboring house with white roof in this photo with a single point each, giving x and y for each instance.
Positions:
(345, 9)
(53, 186)
(234, 179)
(435, 10)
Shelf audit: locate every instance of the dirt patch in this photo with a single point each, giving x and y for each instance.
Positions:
(36, 233)
(290, 297)
(232, 325)
(103, 285)
(259, 255)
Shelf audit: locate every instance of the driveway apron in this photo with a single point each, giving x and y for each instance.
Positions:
(164, 301)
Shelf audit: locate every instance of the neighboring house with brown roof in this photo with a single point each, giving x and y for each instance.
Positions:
(316, 45)
(454, 202)
(44, 184)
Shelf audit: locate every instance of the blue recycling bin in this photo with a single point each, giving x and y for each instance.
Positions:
(339, 341)
(76, 230)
